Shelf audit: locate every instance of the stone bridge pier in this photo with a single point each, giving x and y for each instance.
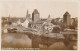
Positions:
(35, 41)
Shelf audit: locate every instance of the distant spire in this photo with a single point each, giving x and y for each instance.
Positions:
(9, 15)
(27, 12)
(49, 16)
(27, 15)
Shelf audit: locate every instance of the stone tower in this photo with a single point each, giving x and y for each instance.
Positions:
(67, 19)
(35, 15)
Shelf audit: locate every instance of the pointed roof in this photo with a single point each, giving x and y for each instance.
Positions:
(27, 15)
(49, 16)
(35, 11)
(27, 11)
(67, 13)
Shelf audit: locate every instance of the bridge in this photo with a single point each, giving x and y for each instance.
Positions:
(49, 40)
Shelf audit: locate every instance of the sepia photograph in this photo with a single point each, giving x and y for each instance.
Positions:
(39, 24)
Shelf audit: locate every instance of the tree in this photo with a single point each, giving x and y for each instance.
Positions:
(74, 25)
(53, 21)
(56, 30)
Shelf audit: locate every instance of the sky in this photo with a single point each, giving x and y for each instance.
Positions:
(55, 8)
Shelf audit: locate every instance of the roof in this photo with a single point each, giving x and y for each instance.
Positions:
(16, 19)
(48, 23)
(22, 20)
(43, 19)
(35, 11)
(42, 22)
(67, 13)
(37, 22)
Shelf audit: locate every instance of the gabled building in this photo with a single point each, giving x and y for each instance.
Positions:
(25, 23)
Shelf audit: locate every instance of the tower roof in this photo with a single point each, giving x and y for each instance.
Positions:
(35, 11)
(67, 13)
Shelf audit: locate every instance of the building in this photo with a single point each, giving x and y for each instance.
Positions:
(5, 20)
(25, 23)
(48, 26)
(40, 24)
(17, 21)
(28, 16)
(74, 23)
(67, 19)
(35, 15)
(36, 23)
(72, 20)
(49, 18)
(43, 25)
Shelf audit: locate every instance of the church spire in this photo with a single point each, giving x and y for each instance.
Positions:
(49, 16)
(27, 12)
(27, 15)
(9, 15)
